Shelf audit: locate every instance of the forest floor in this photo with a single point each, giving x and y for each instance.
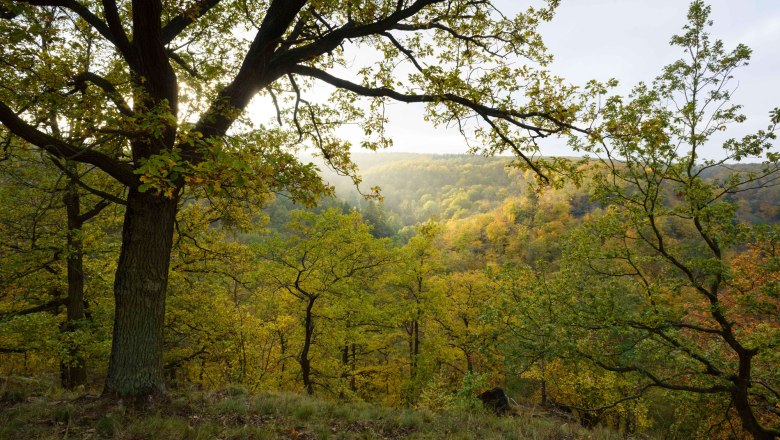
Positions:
(234, 413)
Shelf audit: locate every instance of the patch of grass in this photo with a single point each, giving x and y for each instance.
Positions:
(108, 426)
(236, 390)
(409, 419)
(12, 396)
(159, 426)
(264, 404)
(235, 414)
(64, 413)
(234, 406)
(304, 411)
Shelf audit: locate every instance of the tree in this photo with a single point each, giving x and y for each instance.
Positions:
(211, 323)
(657, 270)
(169, 82)
(465, 299)
(43, 223)
(413, 281)
(325, 261)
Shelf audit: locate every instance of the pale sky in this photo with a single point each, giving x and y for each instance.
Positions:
(628, 40)
(622, 39)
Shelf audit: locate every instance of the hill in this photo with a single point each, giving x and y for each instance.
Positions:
(416, 187)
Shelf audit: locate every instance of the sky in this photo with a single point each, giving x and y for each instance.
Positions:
(628, 40)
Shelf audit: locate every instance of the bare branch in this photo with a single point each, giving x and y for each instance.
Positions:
(512, 116)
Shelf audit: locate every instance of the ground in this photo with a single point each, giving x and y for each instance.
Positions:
(236, 413)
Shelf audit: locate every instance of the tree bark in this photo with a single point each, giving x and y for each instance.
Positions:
(136, 364)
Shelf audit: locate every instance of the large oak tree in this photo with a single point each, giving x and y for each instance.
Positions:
(166, 86)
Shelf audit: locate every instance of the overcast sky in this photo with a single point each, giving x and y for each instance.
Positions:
(628, 40)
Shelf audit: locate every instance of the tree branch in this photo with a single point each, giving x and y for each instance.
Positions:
(180, 22)
(82, 11)
(511, 116)
(183, 64)
(332, 40)
(97, 192)
(254, 74)
(79, 84)
(58, 148)
(117, 30)
(51, 305)
(661, 383)
(99, 206)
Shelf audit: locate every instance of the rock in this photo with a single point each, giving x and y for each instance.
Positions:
(495, 400)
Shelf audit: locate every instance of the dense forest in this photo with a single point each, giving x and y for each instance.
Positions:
(465, 277)
(152, 239)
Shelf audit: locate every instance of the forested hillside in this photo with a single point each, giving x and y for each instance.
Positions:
(417, 187)
(465, 277)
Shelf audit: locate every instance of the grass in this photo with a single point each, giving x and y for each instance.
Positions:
(233, 413)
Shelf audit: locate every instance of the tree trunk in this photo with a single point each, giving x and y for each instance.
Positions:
(136, 364)
(741, 400)
(282, 357)
(352, 380)
(543, 366)
(73, 371)
(416, 351)
(749, 422)
(345, 367)
(305, 361)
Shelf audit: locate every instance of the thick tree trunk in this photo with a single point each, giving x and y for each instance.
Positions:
(73, 371)
(136, 365)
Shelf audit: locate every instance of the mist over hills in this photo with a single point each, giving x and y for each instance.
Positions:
(418, 187)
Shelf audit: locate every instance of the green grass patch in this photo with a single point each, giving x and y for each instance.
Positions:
(234, 413)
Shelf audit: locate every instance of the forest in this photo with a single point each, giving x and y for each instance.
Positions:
(155, 240)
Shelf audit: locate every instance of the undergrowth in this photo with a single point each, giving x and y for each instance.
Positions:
(234, 413)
